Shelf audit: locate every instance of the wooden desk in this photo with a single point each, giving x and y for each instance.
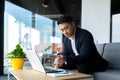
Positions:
(30, 74)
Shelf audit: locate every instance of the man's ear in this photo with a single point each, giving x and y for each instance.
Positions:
(73, 23)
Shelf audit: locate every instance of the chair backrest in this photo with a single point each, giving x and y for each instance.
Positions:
(100, 48)
(112, 54)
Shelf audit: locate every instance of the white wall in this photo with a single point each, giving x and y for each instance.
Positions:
(96, 19)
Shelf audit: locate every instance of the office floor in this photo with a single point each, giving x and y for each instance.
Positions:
(5, 77)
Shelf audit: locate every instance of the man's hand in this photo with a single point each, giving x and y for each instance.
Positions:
(59, 61)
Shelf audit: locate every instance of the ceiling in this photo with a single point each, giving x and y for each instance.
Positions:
(56, 8)
(115, 6)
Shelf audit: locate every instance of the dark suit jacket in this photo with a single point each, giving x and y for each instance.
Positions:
(88, 59)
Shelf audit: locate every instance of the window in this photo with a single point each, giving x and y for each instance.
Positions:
(22, 26)
(116, 28)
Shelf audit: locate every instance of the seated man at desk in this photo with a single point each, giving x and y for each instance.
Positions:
(79, 49)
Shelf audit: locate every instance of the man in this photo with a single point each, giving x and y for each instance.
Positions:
(79, 49)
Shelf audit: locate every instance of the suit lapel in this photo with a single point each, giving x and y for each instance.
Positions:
(77, 34)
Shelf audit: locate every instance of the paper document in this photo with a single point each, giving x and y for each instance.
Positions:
(63, 73)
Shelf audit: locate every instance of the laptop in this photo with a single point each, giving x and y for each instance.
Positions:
(36, 64)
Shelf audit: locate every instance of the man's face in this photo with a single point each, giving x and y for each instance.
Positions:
(67, 29)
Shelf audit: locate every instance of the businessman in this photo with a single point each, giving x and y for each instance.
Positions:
(79, 49)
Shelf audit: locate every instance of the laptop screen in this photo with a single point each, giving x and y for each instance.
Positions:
(34, 60)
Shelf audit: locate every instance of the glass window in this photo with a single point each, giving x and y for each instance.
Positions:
(22, 26)
(116, 28)
(58, 31)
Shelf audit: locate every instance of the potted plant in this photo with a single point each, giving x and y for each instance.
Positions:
(17, 57)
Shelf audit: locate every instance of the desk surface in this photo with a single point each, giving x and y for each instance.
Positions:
(30, 74)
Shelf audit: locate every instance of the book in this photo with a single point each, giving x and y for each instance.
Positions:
(62, 73)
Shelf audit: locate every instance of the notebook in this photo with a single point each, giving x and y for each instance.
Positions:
(36, 64)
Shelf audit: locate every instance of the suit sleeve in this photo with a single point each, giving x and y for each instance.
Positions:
(86, 50)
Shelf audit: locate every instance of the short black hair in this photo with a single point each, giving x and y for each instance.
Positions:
(65, 18)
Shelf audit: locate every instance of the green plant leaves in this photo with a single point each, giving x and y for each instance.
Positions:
(16, 53)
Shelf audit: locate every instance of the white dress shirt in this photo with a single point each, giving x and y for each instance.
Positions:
(72, 38)
(73, 46)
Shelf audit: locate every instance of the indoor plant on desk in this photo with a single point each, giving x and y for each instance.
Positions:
(17, 57)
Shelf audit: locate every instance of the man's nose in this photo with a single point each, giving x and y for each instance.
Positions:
(64, 32)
